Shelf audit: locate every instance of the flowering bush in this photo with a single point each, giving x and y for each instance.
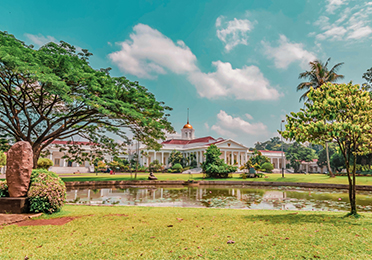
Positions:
(47, 192)
(3, 189)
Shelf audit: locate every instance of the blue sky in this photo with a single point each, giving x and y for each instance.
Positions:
(235, 64)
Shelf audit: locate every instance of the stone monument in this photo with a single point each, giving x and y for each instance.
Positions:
(18, 173)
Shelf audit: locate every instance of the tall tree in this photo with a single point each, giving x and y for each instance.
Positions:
(317, 76)
(53, 93)
(340, 113)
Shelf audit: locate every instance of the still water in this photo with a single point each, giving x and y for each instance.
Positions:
(277, 198)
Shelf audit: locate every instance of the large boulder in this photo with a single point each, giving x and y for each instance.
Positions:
(18, 169)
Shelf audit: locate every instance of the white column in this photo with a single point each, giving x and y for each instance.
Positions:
(51, 156)
(162, 158)
(239, 159)
(225, 156)
(154, 156)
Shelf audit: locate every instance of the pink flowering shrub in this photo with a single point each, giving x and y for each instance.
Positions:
(3, 189)
(47, 192)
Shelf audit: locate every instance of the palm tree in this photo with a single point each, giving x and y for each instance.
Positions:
(317, 76)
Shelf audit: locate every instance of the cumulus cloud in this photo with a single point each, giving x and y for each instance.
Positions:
(229, 126)
(247, 83)
(234, 32)
(249, 116)
(287, 52)
(39, 39)
(332, 5)
(149, 53)
(352, 23)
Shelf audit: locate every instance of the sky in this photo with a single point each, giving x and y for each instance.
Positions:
(234, 64)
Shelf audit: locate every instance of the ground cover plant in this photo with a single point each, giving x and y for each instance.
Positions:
(191, 233)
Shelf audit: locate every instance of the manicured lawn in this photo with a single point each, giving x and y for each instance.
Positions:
(173, 233)
(312, 178)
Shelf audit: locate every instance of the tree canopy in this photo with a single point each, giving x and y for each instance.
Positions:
(298, 153)
(214, 166)
(53, 93)
(318, 75)
(339, 113)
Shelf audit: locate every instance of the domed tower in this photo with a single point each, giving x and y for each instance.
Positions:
(188, 132)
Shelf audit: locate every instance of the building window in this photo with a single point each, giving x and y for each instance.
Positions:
(56, 162)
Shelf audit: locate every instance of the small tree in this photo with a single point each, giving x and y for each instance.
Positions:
(267, 167)
(338, 113)
(298, 153)
(2, 159)
(155, 166)
(337, 162)
(258, 158)
(214, 166)
(44, 163)
(176, 157)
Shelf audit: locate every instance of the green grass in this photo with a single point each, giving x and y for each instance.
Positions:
(311, 178)
(201, 234)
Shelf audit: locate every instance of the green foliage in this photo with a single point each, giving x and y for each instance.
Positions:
(2, 159)
(155, 166)
(298, 153)
(44, 163)
(214, 166)
(318, 75)
(340, 113)
(258, 158)
(176, 157)
(53, 93)
(267, 167)
(177, 168)
(337, 162)
(193, 164)
(3, 189)
(322, 156)
(47, 192)
(274, 144)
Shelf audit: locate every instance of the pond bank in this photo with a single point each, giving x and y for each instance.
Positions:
(72, 184)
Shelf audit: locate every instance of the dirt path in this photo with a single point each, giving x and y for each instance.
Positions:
(6, 219)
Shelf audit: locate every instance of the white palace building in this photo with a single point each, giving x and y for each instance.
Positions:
(233, 152)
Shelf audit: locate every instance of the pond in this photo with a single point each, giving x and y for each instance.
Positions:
(276, 198)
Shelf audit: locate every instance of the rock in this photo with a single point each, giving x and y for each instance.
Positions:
(18, 169)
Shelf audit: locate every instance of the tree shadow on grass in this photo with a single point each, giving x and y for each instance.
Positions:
(300, 219)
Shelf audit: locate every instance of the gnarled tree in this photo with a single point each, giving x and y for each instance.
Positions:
(53, 93)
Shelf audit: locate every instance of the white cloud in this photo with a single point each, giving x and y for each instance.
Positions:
(39, 39)
(352, 23)
(149, 53)
(247, 83)
(206, 125)
(287, 53)
(229, 126)
(234, 32)
(249, 116)
(332, 5)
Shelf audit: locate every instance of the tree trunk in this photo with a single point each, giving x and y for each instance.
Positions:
(37, 151)
(328, 163)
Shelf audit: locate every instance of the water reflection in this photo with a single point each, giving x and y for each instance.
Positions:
(278, 198)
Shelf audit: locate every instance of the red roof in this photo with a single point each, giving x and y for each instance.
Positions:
(267, 151)
(71, 142)
(184, 142)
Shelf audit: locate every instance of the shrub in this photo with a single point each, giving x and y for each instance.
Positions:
(177, 168)
(193, 164)
(44, 163)
(47, 192)
(169, 170)
(155, 166)
(214, 166)
(3, 189)
(267, 167)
